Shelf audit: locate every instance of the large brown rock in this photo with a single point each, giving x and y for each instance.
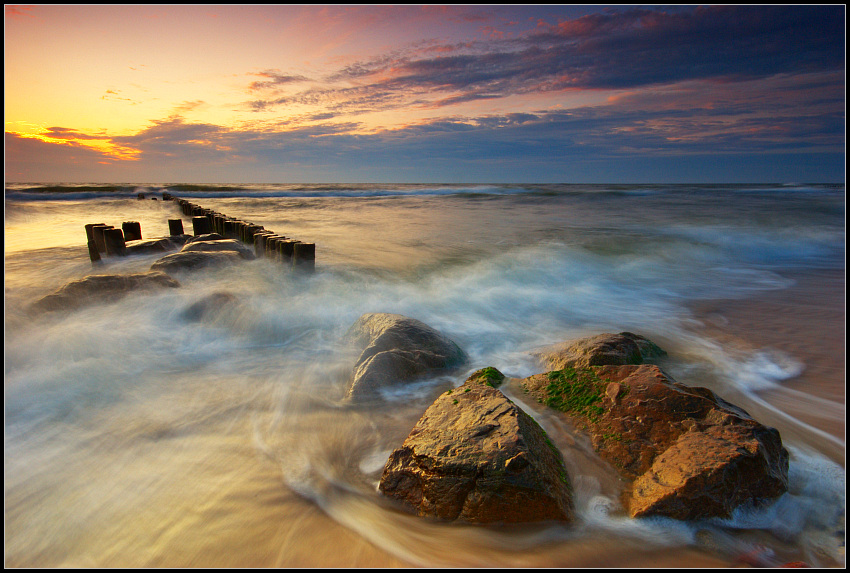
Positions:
(192, 260)
(475, 456)
(396, 349)
(220, 245)
(101, 288)
(690, 453)
(606, 348)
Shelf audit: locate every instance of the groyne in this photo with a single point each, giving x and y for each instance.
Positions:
(289, 252)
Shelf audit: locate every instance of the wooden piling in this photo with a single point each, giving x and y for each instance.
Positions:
(114, 241)
(132, 230)
(93, 254)
(89, 234)
(97, 235)
(304, 256)
(201, 225)
(175, 226)
(259, 242)
(286, 249)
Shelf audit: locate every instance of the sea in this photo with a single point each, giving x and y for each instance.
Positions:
(137, 434)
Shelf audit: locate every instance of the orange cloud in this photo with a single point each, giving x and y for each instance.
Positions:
(103, 145)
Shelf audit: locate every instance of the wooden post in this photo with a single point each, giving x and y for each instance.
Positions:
(114, 241)
(259, 242)
(93, 254)
(304, 256)
(175, 226)
(89, 233)
(271, 249)
(201, 225)
(97, 235)
(285, 248)
(132, 230)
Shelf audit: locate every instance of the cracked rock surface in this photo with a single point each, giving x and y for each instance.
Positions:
(475, 456)
(690, 454)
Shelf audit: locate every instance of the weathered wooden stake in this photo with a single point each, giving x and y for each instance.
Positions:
(201, 225)
(285, 248)
(260, 242)
(89, 234)
(132, 230)
(114, 241)
(93, 254)
(175, 226)
(304, 256)
(97, 235)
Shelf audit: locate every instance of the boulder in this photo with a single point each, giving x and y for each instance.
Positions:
(195, 260)
(204, 237)
(101, 288)
(606, 348)
(143, 246)
(689, 453)
(210, 306)
(475, 456)
(396, 349)
(219, 245)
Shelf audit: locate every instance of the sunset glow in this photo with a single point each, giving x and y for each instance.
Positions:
(400, 92)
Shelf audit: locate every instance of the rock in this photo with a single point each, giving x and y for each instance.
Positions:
(690, 453)
(180, 239)
(195, 260)
(607, 348)
(205, 237)
(219, 245)
(142, 246)
(488, 376)
(101, 288)
(396, 349)
(210, 306)
(475, 456)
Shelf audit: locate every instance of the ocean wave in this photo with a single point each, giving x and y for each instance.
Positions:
(37, 192)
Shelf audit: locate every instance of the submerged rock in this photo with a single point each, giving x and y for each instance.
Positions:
(101, 288)
(606, 348)
(691, 454)
(475, 456)
(210, 306)
(191, 260)
(396, 349)
(204, 237)
(220, 245)
(142, 246)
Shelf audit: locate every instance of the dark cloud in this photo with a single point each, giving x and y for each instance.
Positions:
(65, 133)
(616, 50)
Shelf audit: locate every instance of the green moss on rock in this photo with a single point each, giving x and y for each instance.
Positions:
(575, 391)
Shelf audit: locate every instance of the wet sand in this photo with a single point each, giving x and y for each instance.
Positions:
(805, 322)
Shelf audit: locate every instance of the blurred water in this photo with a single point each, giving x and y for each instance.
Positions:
(138, 436)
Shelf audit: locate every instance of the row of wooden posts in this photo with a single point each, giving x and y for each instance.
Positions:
(291, 252)
(266, 243)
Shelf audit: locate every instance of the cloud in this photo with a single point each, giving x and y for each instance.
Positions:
(274, 79)
(616, 50)
(69, 134)
(18, 11)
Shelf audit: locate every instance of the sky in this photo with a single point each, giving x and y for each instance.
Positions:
(424, 94)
